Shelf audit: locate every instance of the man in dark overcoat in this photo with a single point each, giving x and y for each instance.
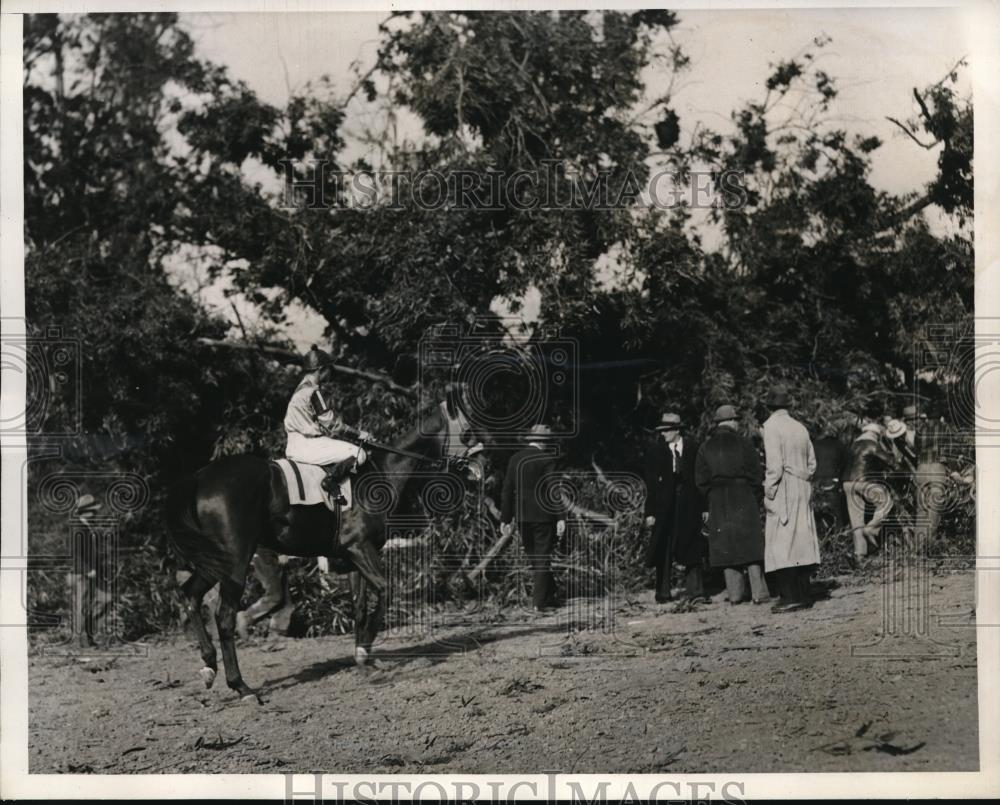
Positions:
(728, 472)
(674, 509)
(828, 490)
(530, 497)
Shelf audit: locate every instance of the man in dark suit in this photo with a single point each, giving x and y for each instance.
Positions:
(531, 497)
(828, 490)
(674, 509)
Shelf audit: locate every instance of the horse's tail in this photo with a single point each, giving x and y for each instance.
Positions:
(185, 537)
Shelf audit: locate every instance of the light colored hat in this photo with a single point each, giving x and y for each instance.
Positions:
(895, 429)
(87, 506)
(872, 427)
(910, 412)
(669, 421)
(540, 429)
(724, 413)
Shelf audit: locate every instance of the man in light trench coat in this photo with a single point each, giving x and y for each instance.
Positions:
(791, 546)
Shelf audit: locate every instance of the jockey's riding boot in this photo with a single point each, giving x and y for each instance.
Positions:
(335, 474)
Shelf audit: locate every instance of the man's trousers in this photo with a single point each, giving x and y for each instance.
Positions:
(539, 540)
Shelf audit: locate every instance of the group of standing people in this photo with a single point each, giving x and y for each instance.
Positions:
(856, 481)
(705, 499)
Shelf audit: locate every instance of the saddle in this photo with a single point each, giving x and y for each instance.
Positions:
(305, 484)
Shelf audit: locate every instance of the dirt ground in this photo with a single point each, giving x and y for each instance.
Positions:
(720, 688)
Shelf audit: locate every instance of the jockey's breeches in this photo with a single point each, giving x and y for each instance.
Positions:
(321, 449)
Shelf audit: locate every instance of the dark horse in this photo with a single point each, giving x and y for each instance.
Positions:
(219, 517)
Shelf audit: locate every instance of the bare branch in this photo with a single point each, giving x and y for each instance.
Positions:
(923, 106)
(910, 134)
(239, 320)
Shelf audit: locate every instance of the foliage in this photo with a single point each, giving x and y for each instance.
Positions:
(138, 152)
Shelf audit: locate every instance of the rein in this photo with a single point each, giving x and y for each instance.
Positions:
(418, 457)
(400, 452)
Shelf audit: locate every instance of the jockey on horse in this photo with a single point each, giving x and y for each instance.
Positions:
(312, 428)
(308, 420)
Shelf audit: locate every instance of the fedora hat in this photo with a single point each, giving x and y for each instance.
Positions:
(540, 430)
(778, 398)
(724, 413)
(670, 421)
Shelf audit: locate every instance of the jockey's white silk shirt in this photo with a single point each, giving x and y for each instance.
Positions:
(300, 416)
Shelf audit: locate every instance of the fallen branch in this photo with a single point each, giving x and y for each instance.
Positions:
(288, 356)
(588, 515)
(495, 549)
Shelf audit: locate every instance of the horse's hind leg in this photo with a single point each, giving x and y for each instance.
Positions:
(225, 619)
(194, 590)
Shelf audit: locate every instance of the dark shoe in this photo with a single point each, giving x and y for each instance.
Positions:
(663, 599)
(793, 607)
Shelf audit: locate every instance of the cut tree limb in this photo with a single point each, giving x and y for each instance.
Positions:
(495, 549)
(288, 356)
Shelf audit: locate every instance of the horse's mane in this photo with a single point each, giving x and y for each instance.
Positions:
(417, 439)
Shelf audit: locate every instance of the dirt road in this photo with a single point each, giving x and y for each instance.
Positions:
(716, 689)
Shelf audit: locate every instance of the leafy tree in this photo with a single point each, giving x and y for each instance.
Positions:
(104, 191)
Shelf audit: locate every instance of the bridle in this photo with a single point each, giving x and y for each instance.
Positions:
(454, 457)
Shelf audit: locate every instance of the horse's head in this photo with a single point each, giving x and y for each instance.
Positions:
(462, 447)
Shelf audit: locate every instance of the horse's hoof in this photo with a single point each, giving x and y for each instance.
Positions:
(207, 676)
(360, 656)
(251, 698)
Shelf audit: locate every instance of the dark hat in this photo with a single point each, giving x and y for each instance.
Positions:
(316, 359)
(670, 421)
(778, 398)
(724, 413)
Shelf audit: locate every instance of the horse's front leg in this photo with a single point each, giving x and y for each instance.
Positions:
(271, 574)
(369, 574)
(359, 592)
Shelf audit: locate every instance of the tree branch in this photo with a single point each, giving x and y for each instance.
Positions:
(910, 134)
(288, 356)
